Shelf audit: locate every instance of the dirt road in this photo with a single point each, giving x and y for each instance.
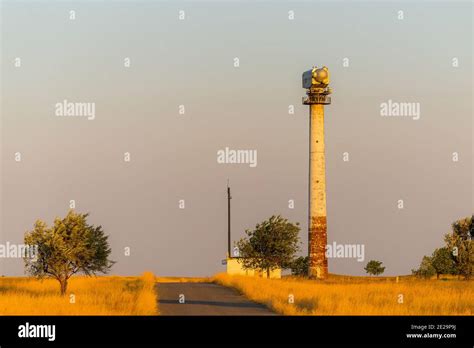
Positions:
(205, 299)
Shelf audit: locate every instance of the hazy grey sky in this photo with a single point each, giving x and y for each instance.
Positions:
(191, 62)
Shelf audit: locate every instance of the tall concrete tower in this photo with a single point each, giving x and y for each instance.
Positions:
(317, 95)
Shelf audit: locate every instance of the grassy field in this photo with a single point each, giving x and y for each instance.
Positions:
(344, 295)
(104, 295)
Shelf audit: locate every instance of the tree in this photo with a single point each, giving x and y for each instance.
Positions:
(460, 244)
(374, 267)
(442, 262)
(426, 269)
(68, 247)
(299, 266)
(272, 244)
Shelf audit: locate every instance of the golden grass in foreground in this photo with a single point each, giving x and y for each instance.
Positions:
(369, 297)
(104, 295)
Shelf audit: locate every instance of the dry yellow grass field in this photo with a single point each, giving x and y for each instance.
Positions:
(340, 295)
(104, 295)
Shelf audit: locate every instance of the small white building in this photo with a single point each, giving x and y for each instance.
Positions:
(234, 267)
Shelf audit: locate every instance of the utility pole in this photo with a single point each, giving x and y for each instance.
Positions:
(316, 83)
(229, 255)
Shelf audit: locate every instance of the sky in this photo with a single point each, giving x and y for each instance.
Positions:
(374, 53)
